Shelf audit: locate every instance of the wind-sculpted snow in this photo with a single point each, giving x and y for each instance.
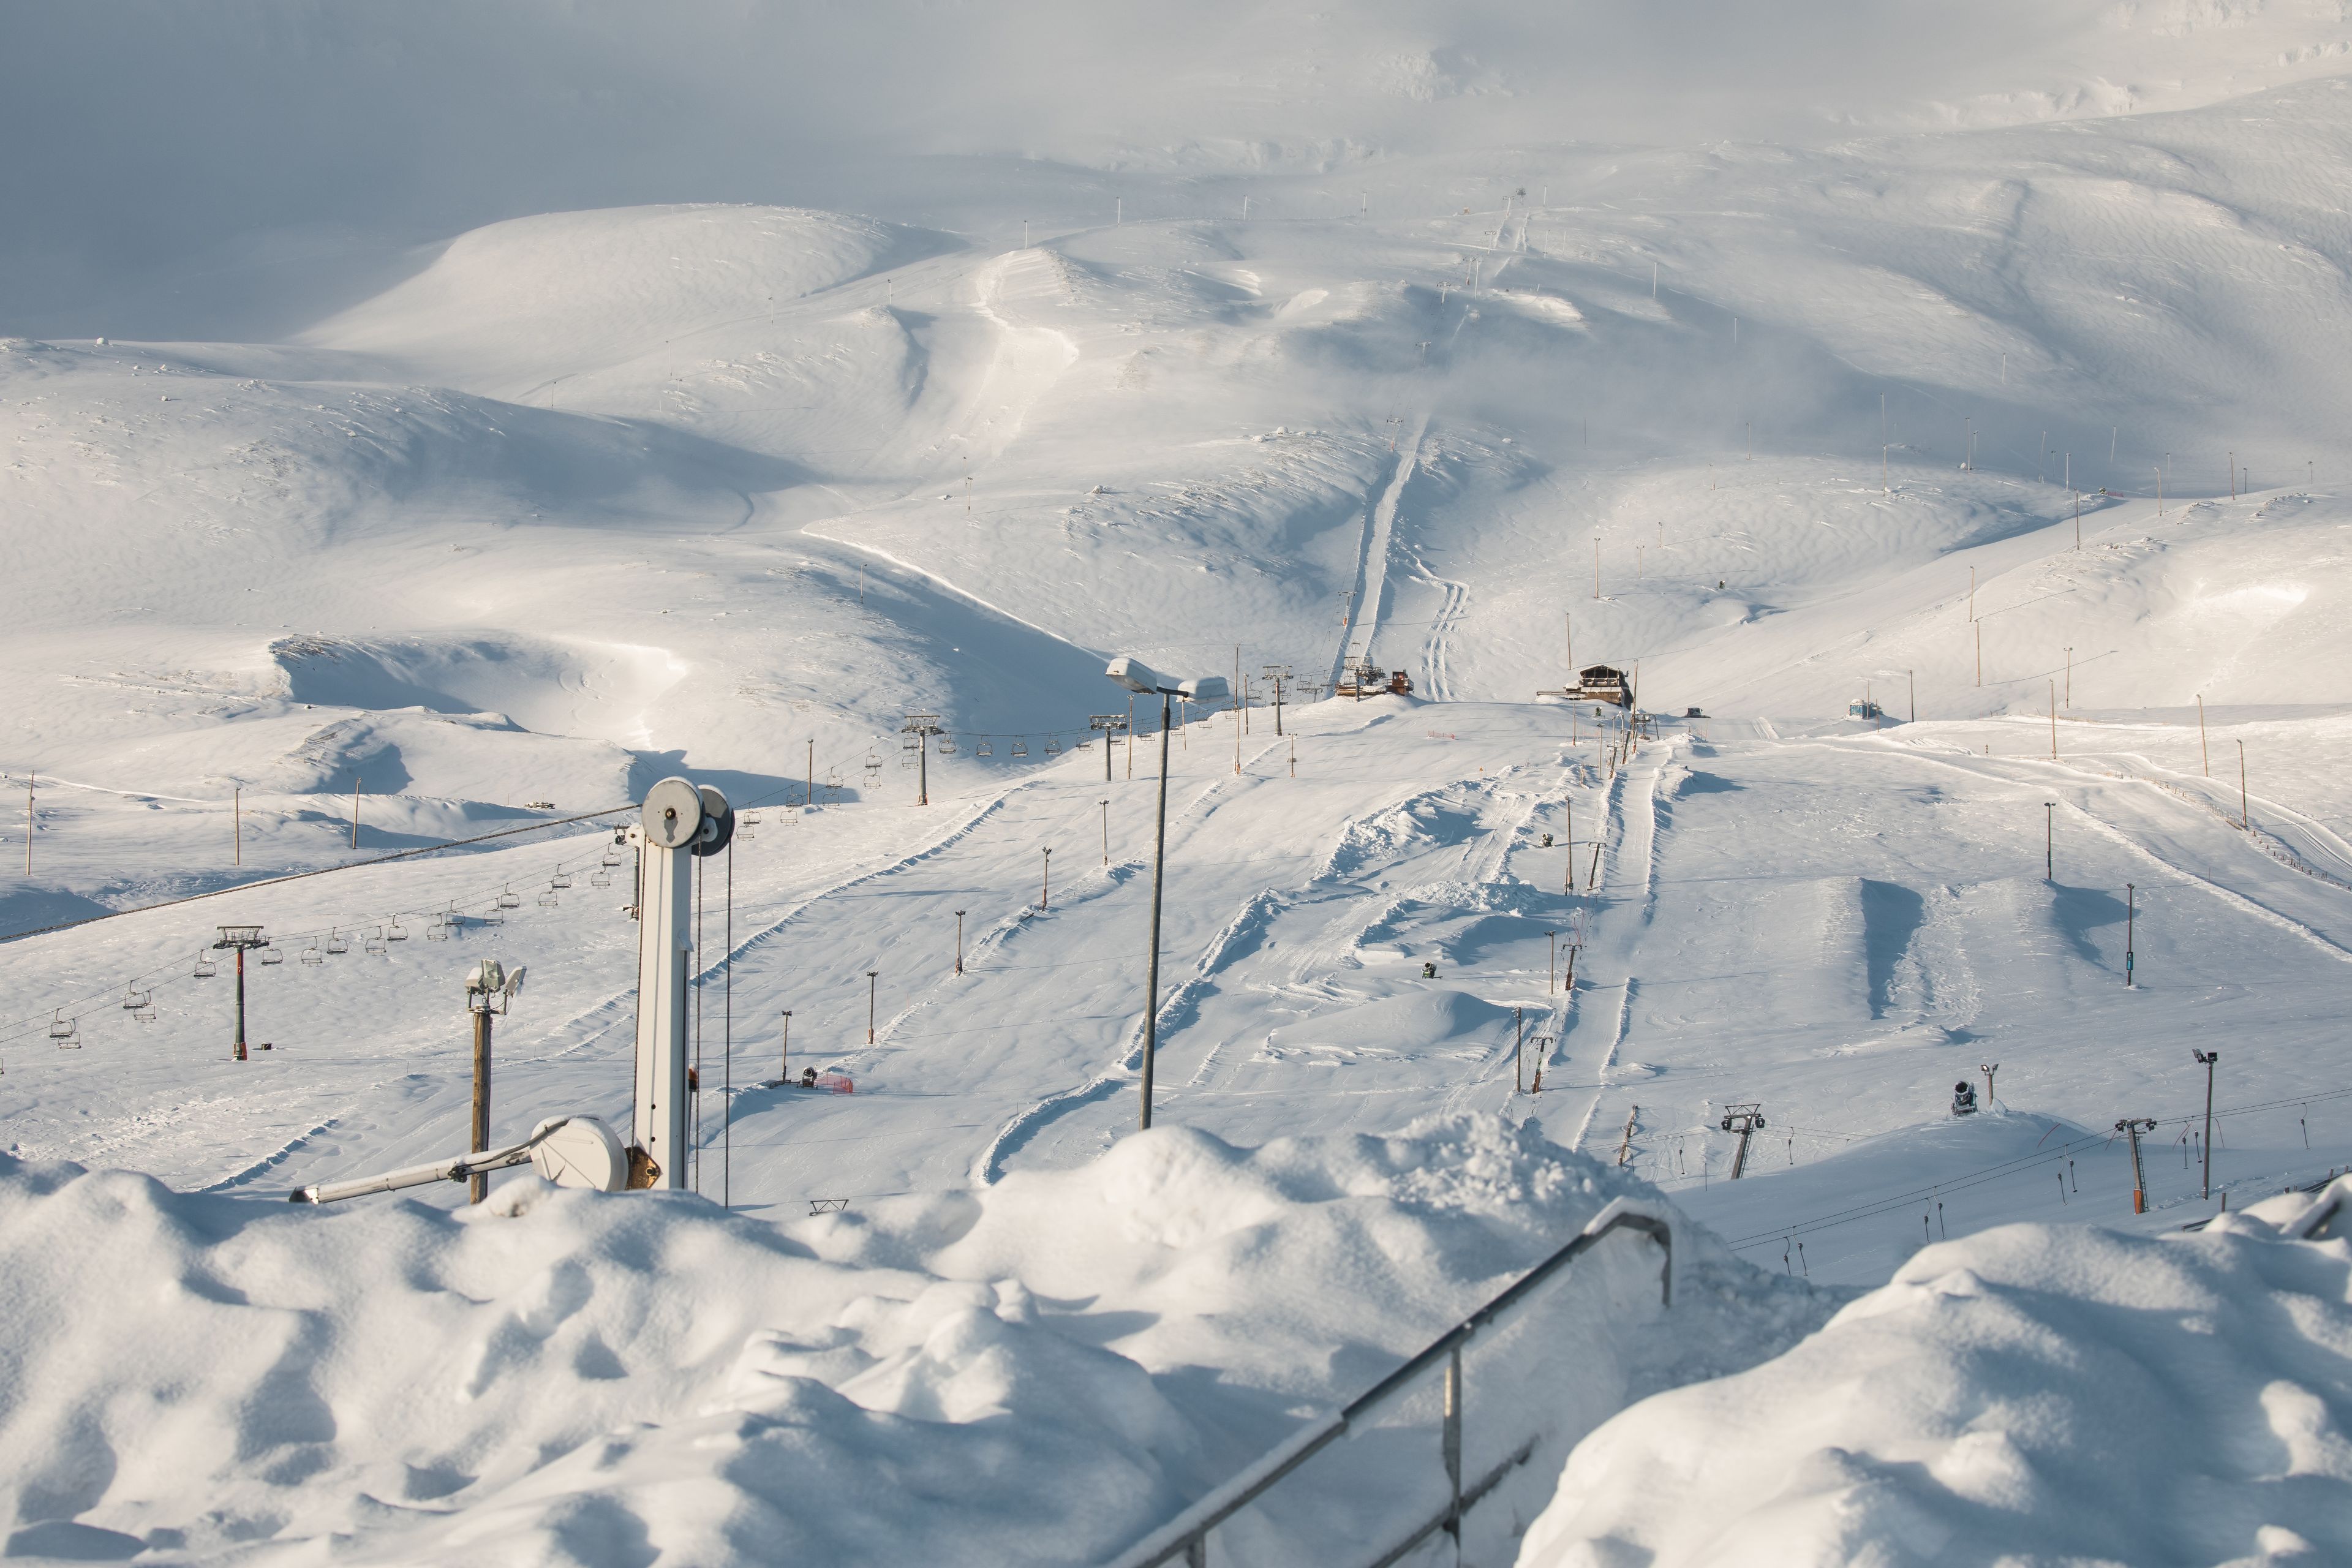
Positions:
(2030, 1393)
(1040, 1370)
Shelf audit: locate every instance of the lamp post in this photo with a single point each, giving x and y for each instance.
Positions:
(489, 990)
(1141, 679)
(2206, 1060)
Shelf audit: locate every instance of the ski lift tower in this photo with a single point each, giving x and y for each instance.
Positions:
(679, 822)
(922, 726)
(1746, 1121)
(1276, 675)
(241, 939)
(1112, 726)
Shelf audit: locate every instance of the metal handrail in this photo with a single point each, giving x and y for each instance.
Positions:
(1188, 1532)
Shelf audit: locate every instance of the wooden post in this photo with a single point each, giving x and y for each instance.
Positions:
(1625, 1144)
(479, 1184)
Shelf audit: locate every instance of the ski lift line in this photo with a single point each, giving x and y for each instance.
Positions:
(321, 871)
(172, 971)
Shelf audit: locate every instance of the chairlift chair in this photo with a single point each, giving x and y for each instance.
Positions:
(547, 901)
(132, 1000)
(508, 899)
(1020, 746)
(205, 968)
(1053, 747)
(312, 954)
(146, 1015)
(63, 1032)
(560, 880)
(337, 943)
(395, 932)
(946, 745)
(374, 947)
(270, 954)
(600, 879)
(985, 749)
(612, 859)
(437, 928)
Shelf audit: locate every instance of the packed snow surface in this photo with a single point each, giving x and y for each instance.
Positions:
(440, 423)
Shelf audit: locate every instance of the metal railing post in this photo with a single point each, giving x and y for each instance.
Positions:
(1452, 1446)
(1187, 1534)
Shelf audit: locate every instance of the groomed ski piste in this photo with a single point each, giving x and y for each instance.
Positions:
(386, 516)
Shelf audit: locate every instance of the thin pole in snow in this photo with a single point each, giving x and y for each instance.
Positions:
(2245, 817)
(236, 808)
(2131, 925)
(2206, 1059)
(870, 984)
(2201, 746)
(355, 811)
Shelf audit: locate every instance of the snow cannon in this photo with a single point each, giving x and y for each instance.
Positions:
(570, 1151)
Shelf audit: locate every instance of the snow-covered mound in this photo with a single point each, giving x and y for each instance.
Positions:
(1038, 1372)
(2032, 1394)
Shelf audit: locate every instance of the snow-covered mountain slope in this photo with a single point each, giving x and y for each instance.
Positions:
(437, 424)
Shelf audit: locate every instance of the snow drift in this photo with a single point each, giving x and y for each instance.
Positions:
(1038, 1371)
(2032, 1394)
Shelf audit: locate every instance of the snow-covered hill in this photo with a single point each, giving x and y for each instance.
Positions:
(444, 423)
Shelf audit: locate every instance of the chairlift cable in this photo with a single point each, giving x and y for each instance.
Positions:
(321, 871)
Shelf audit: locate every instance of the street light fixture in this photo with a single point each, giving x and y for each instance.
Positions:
(1141, 679)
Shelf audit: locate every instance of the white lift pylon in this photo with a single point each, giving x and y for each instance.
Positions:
(679, 822)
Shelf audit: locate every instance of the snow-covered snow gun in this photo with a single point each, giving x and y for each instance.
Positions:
(570, 1151)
